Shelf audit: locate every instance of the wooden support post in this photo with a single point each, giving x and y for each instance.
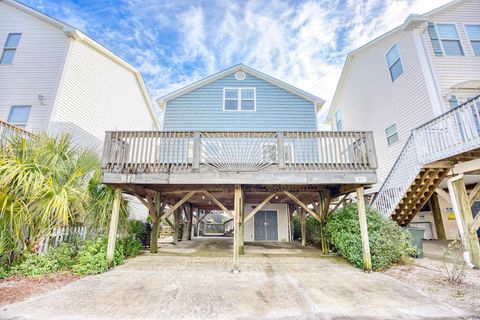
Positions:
(197, 222)
(290, 222)
(437, 217)
(186, 226)
(463, 214)
(176, 226)
(112, 232)
(236, 231)
(303, 226)
(190, 221)
(362, 216)
(241, 245)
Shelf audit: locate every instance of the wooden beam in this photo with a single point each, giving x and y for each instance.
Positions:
(218, 203)
(367, 259)
(475, 224)
(467, 166)
(474, 194)
(303, 226)
(463, 214)
(339, 203)
(206, 214)
(444, 195)
(304, 206)
(178, 204)
(236, 230)
(112, 232)
(169, 223)
(437, 217)
(176, 226)
(259, 207)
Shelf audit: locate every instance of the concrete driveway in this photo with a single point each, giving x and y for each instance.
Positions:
(192, 281)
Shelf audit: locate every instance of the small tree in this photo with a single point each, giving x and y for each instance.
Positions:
(456, 270)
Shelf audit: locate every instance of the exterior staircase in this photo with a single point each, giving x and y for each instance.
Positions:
(427, 157)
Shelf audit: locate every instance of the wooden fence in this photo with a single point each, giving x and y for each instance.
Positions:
(60, 235)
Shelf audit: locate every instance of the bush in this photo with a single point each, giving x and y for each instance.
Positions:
(388, 242)
(92, 259)
(131, 246)
(297, 229)
(3, 272)
(34, 265)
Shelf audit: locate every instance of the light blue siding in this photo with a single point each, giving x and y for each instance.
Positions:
(276, 109)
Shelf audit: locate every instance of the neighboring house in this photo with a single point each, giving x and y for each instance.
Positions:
(401, 80)
(54, 78)
(243, 99)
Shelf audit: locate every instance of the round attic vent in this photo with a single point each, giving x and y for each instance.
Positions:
(240, 75)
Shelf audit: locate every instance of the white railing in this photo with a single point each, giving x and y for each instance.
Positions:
(8, 131)
(228, 226)
(449, 134)
(169, 151)
(60, 235)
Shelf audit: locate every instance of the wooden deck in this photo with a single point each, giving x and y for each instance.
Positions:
(276, 158)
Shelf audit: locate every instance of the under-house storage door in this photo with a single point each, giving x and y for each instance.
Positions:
(266, 225)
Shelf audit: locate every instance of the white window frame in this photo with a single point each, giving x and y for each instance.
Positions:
(447, 39)
(239, 98)
(4, 48)
(470, 40)
(399, 58)
(19, 124)
(390, 135)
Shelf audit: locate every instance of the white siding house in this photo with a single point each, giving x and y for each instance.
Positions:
(399, 81)
(54, 78)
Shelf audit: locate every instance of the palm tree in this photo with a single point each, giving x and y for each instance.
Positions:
(46, 182)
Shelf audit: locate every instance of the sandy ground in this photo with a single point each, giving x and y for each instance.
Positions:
(16, 289)
(428, 275)
(193, 281)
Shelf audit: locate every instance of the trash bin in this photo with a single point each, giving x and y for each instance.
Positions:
(416, 239)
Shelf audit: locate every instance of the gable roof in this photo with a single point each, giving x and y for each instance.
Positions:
(241, 67)
(412, 21)
(76, 34)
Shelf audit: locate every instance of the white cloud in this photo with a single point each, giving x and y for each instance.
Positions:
(174, 43)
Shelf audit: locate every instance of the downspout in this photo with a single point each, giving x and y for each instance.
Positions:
(466, 254)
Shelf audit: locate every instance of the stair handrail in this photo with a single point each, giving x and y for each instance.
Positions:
(455, 131)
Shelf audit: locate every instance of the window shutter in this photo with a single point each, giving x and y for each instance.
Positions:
(437, 48)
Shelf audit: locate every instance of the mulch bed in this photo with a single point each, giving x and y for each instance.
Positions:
(14, 289)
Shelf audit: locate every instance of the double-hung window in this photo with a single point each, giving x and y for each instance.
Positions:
(394, 63)
(473, 32)
(450, 40)
(392, 134)
(10, 48)
(239, 99)
(19, 116)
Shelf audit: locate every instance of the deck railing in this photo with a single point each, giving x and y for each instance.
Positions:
(7, 131)
(454, 132)
(173, 151)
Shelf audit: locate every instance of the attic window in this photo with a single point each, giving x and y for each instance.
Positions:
(240, 75)
(239, 99)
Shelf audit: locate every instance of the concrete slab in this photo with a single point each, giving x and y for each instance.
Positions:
(277, 281)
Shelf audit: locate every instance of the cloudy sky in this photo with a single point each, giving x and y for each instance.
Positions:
(176, 42)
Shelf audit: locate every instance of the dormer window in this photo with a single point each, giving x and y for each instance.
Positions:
(239, 99)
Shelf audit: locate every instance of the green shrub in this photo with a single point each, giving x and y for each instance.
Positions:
(313, 230)
(92, 258)
(388, 242)
(33, 265)
(3, 272)
(297, 232)
(131, 246)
